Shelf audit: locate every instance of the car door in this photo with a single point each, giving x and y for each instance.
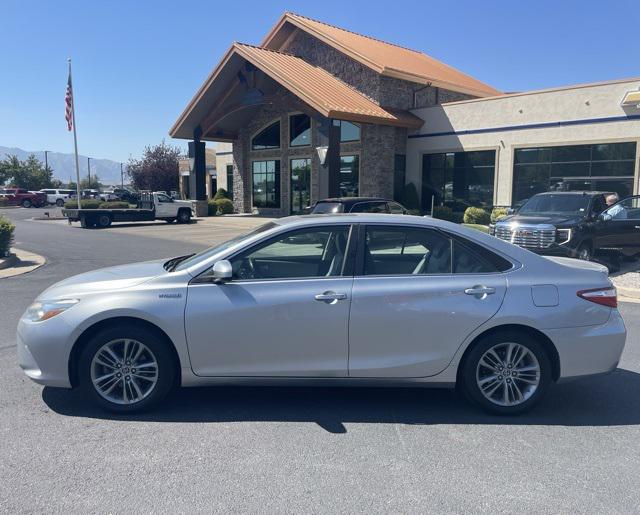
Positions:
(417, 294)
(284, 313)
(165, 206)
(619, 227)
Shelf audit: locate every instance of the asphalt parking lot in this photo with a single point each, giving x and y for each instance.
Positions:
(302, 450)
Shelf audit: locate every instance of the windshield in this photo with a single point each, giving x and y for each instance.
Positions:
(555, 205)
(205, 254)
(322, 208)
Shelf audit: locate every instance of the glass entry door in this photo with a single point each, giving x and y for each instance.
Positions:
(300, 185)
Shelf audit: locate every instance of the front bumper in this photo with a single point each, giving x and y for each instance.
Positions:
(590, 350)
(43, 351)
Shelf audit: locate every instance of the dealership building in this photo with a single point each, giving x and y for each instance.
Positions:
(317, 111)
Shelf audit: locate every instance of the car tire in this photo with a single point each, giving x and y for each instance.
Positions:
(584, 252)
(59, 202)
(104, 221)
(184, 216)
(486, 386)
(118, 386)
(26, 203)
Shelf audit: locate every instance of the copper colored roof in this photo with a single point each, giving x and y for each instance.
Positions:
(313, 85)
(385, 58)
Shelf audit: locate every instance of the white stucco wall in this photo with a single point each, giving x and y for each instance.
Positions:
(587, 104)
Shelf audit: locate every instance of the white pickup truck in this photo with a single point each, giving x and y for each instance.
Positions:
(152, 206)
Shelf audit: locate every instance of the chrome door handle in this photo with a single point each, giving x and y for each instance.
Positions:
(480, 292)
(330, 296)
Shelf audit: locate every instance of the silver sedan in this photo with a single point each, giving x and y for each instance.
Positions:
(354, 300)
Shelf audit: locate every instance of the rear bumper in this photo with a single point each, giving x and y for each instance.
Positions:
(590, 350)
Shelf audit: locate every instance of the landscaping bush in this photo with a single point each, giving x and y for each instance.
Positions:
(225, 206)
(476, 215)
(6, 235)
(84, 204)
(497, 213)
(443, 213)
(212, 208)
(114, 205)
(221, 193)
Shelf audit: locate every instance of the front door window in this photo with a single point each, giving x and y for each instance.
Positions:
(300, 185)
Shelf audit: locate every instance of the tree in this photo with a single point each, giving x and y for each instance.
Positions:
(29, 174)
(95, 183)
(157, 170)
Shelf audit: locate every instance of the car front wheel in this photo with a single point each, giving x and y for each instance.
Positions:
(126, 369)
(184, 216)
(59, 202)
(506, 373)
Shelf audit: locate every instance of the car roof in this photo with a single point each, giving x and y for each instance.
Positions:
(585, 193)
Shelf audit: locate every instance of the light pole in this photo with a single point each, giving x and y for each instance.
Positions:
(46, 161)
(89, 170)
(121, 176)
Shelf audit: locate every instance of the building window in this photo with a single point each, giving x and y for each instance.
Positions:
(299, 130)
(598, 167)
(267, 138)
(348, 131)
(399, 176)
(349, 175)
(300, 185)
(458, 179)
(266, 184)
(230, 181)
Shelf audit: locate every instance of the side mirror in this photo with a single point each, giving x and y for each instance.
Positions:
(222, 271)
(605, 217)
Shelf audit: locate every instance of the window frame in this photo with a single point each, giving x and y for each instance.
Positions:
(261, 130)
(277, 182)
(348, 267)
(353, 154)
(453, 238)
(359, 125)
(303, 145)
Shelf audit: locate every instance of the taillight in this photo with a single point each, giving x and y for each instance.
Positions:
(604, 296)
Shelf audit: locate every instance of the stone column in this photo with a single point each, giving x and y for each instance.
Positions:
(198, 175)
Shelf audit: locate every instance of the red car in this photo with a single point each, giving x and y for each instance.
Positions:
(24, 198)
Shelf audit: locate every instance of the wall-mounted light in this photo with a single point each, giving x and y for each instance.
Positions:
(322, 154)
(631, 98)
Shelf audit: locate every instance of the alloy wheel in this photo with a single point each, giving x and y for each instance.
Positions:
(124, 371)
(508, 374)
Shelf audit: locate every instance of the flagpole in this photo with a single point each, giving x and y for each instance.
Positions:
(75, 138)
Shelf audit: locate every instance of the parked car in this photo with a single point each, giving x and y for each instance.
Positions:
(569, 224)
(358, 205)
(24, 198)
(108, 196)
(127, 195)
(358, 299)
(58, 196)
(90, 193)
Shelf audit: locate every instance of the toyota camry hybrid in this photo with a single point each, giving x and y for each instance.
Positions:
(359, 300)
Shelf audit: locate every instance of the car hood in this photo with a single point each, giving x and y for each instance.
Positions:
(578, 263)
(106, 279)
(534, 220)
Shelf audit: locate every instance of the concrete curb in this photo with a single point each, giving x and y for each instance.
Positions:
(8, 261)
(25, 262)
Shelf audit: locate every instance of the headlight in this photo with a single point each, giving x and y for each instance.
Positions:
(563, 236)
(41, 311)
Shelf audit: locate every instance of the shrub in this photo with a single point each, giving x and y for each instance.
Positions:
(221, 193)
(114, 205)
(84, 204)
(497, 213)
(212, 208)
(225, 206)
(6, 235)
(476, 215)
(443, 213)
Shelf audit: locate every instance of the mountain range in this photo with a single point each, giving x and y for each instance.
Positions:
(64, 165)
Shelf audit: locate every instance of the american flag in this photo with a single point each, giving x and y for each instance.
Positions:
(68, 100)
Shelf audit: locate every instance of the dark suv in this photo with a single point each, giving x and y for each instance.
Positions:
(573, 224)
(358, 205)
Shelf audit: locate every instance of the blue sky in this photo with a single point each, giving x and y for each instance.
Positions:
(137, 63)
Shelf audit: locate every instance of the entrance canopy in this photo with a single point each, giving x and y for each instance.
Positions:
(248, 77)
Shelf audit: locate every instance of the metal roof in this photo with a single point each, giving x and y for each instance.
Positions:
(385, 58)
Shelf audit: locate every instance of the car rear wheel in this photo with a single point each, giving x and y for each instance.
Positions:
(506, 373)
(126, 370)
(104, 220)
(26, 203)
(59, 202)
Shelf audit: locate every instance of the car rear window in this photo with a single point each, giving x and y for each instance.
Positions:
(328, 208)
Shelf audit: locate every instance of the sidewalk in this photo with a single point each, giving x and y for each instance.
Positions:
(26, 262)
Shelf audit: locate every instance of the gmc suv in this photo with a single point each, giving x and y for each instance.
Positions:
(573, 224)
